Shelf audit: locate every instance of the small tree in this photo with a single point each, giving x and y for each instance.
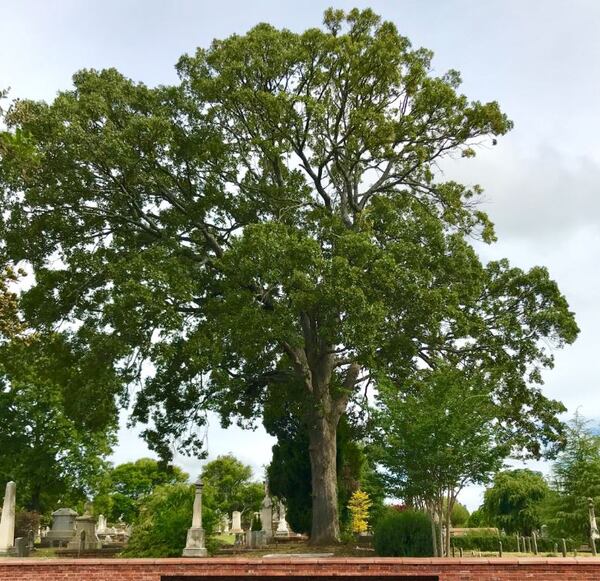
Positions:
(359, 506)
(437, 437)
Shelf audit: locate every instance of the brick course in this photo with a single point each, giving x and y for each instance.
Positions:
(552, 569)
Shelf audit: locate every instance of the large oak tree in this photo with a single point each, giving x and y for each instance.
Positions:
(278, 212)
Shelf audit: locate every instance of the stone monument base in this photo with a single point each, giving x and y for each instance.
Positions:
(194, 547)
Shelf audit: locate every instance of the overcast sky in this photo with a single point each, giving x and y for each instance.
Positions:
(538, 58)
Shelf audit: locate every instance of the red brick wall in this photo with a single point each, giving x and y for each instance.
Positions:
(564, 569)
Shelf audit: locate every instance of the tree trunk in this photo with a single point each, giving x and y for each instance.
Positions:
(323, 452)
(433, 532)
(440, 513)
(448, 513)
(316, 364)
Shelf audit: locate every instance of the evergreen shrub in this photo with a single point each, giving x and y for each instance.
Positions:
(403, 534)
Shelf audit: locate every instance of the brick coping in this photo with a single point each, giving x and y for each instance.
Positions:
(210, 562)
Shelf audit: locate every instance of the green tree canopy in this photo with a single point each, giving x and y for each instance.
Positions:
(125, 485)
(54, 442)
(278, 209)
(459, 517)
(228, 483)
(515, 499)
(437, 435)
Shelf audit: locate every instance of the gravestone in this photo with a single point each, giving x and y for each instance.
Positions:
(7, 522)
(225, 524)
(63, 527)
(21, 547)
(194, 546)
(283, 530)
(236, 522)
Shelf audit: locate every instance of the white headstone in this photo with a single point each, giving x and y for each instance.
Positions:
(283, 530)
(101, 527)
(7, 522)
(225, 524)
(236, 522)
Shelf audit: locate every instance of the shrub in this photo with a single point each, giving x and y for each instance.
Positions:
(403, 534)
(490, 543)
(165, 516)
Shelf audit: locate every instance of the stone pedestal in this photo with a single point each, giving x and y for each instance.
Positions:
(7, 522)
(194, 546)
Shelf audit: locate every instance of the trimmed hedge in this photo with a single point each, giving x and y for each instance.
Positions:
(403, 534)
(489, 543)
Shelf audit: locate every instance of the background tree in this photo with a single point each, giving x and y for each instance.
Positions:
(575, 478)
(477, 519)
(436, 436)
(459, 517)
(126, 485)
(52, 446)
(515, 499)
(278, 209)
(228, 483)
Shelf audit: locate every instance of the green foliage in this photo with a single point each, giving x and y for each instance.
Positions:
(164, 518)
(289, 477)
(51, 447)
(513, 502)
(459, 517)
(10, 325)
(575, 478)
(403, 534)
(256, 523)
(125, 485)
(359, 505)
(227, 482)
